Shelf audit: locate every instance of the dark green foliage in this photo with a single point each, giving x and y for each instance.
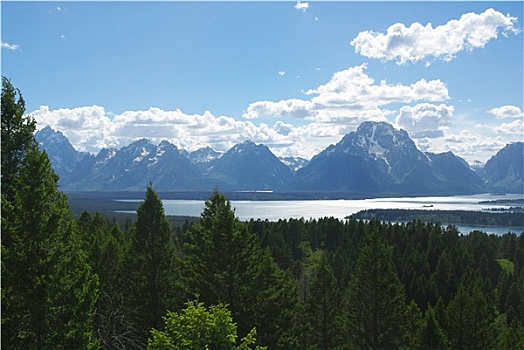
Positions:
(431, 335)
(430, 261)
(48, 288)
(414, 322)
(323, 308)
(514, 303)
(276, 307)
(470, 320)
(225, 263)
(108, 246)
(17, 135)
(445, 277)
(150, 268)
(455, 217)
(222, 260)
(376, 299)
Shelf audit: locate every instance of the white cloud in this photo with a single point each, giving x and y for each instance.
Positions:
(350, 97)
(87, 128)
(92, 128)
(294, 108)
(424, 120)
(416, 42)
(353, 86)
(281, 73)
(302, 6)
(8, 46)
(507, 111)
(515, 127)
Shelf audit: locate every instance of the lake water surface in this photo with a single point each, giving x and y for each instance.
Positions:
(315, 209)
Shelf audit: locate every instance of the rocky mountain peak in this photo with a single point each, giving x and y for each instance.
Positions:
(376, 159)
(64, 157)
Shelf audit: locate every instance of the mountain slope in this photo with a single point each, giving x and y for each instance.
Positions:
(377, 159)
(133, 167)
(504, 171)
(203, 157)
(248, 166)
(64, 157)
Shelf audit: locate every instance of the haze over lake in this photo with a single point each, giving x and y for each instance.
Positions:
(315, 209)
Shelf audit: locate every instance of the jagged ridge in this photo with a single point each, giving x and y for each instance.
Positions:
(375, 160)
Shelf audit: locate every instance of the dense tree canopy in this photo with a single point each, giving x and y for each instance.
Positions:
(376, 299)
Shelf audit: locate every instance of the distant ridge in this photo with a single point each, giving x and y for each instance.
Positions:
(378, 159)
(504, 171)
(374, 160)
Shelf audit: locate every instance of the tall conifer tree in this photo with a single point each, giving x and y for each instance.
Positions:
(47, 284)
(17, 135)
(323, 307)
(48, 288)
(151, 267)
(376, 299)
(470, 320)
(223, 261)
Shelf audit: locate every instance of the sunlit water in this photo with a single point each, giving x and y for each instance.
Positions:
(315, 209)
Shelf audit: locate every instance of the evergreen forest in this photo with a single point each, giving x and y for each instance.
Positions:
(93, 282)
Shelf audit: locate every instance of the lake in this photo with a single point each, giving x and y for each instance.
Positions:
(315, 209)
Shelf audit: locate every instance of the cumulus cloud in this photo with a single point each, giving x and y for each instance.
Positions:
(302, 6)
(87, 128)
(294, 108)
(424, 120)
(92, 128)
(353, 86)
(515, 127)
(416, 42)
(507, 111)
(472, 145)
(350, 97)
(12, 47)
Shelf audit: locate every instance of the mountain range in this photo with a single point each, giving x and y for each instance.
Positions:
(374, 160)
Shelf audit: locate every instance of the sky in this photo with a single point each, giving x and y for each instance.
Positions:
(294, 76)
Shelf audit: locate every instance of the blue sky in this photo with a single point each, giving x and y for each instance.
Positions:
(295, 76)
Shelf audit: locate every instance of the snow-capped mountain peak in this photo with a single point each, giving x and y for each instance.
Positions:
(204, 155)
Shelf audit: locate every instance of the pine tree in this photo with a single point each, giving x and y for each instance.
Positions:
(107, 249)
(222, 261)
(276, 306)
(514, 303)
(414, 322)
(445, 277)
(17, 135)
(431, 336)
(376, 299)
(469, 320)
(323, 307)
(48, 287)
(151, 267)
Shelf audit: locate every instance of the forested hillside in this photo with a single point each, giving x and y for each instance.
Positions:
(91, 283)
